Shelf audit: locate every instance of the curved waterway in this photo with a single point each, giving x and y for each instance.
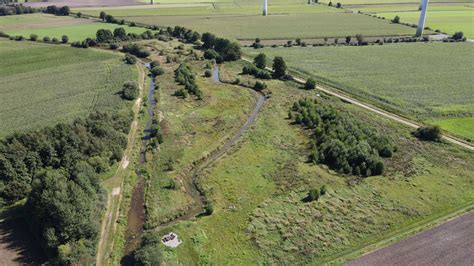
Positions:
(136, 214)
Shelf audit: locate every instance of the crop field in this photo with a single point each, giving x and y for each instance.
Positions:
(41, 85)
(257, 193)
(404, 77)
(54, 26)
(245, 22)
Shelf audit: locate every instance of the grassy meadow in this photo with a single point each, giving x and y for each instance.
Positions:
(56, 26)
(43, 84)
(406, 78)
(257, 191)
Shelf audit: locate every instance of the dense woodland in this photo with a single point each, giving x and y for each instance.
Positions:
(56, 169)
(340, 141)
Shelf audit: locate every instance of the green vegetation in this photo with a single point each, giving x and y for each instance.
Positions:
(42, 84)
(257, 192)
(431, 133)
(400, 77)
(76, 29)
(459, 126)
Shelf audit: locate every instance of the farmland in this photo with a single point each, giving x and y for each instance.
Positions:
(45, 84)
(401, 77)
(76, 29)
(285, 21)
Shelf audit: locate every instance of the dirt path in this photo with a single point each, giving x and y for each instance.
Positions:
(335, 92)
(115, 184)
(448, 244)
(191, 187)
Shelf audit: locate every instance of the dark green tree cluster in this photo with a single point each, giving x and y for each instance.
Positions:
(185, 76)
(184, 34)
(149, 252)
(56, 169)
(8, 10)
(256, 72)
(130, 90)
(136, 50)
(130, 59)
(340, 141)
(58, 11)
(279, 67)
(430, 133)
(310, 84)
(220, 49)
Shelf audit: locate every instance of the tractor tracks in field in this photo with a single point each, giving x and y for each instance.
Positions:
(412, 124)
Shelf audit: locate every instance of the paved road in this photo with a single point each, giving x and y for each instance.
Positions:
(451, 243)
(336, 93)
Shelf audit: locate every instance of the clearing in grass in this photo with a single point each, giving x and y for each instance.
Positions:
(43, 84)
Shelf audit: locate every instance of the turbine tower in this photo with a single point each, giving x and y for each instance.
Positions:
(421, 22)
(265, 6)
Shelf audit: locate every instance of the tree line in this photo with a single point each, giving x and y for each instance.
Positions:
(340, 141)
(185, 76)
(56, 169)
(9, 10)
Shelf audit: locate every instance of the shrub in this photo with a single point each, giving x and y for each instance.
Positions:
(259, 86)
(323, 190)
(310, 84)
(181, 93)
(55, 40)
(208, 73)
(279, 67)
(338, 5)
(208, 208)
(78, 14)
(157, 71)
(130, 90)
(113, 46)
(430, 133)
(313, 195)
(348, 39)
(396, 19)
(4, 35)
(136, 50)
(33, 37)
(64, 39)
(360, 39)
(260, 61)
(458, 35)
(130, 59)
(155, 63)
(46, 39)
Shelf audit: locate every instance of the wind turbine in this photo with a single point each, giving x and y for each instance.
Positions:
(421, 22)
(265, 6)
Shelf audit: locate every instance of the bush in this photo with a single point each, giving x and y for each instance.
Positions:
(313, 195)
(55, 40)
(208, 208)
(113, 46)
(430, 133)
(323, 190)
(260, 61)
(181, 93)
(136, 50)
(396, 19)
(157, 71)
(310, 84)
(64, 39)
(130, 90)
(458, 35)
(259, 86)
(4, 35)
(46, 39)
(208, 73)
(279, 67)
(33, 37)
(155, 63)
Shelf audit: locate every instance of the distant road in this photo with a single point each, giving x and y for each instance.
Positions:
(337, 93)
(451, 243)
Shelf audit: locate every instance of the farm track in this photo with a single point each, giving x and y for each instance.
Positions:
(337, 93)
(113, 201)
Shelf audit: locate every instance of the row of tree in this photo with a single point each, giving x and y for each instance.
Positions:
(8, 10)
(185, 76)
(58, 11)
(340, 141)
(220, 49)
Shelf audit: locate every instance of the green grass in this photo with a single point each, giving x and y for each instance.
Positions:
(54, 26)
(257, 193)
(447, 21)
(459, 126)
(407, 78)
(43, 84)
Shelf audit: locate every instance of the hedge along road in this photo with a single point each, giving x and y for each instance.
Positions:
(336, 92)
(114, 185)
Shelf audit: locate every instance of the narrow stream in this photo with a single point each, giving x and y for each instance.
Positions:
(136, 214)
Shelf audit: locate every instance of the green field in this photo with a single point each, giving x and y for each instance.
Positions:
(55, 26)
(459, 126)
(43, 84)
(286, 21)
(404, 77)
(257, 193)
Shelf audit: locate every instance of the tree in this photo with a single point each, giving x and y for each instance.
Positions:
(104, 35)
(348, 39)
(396, 19)
(279, 67)
(313, 195)
(157, 71)
(102, 15)
(430, 133)
(64, 11)
(259, 86)
(46, 39)
(64, 39)
(130, 90)
(130, 59)
(119, 33)
(78, 14)
(338, 5)
(310, 84)
(458, 35)
(33, 37)
(208, 73)
(260, 61)
(208, 40)
(359, 38)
